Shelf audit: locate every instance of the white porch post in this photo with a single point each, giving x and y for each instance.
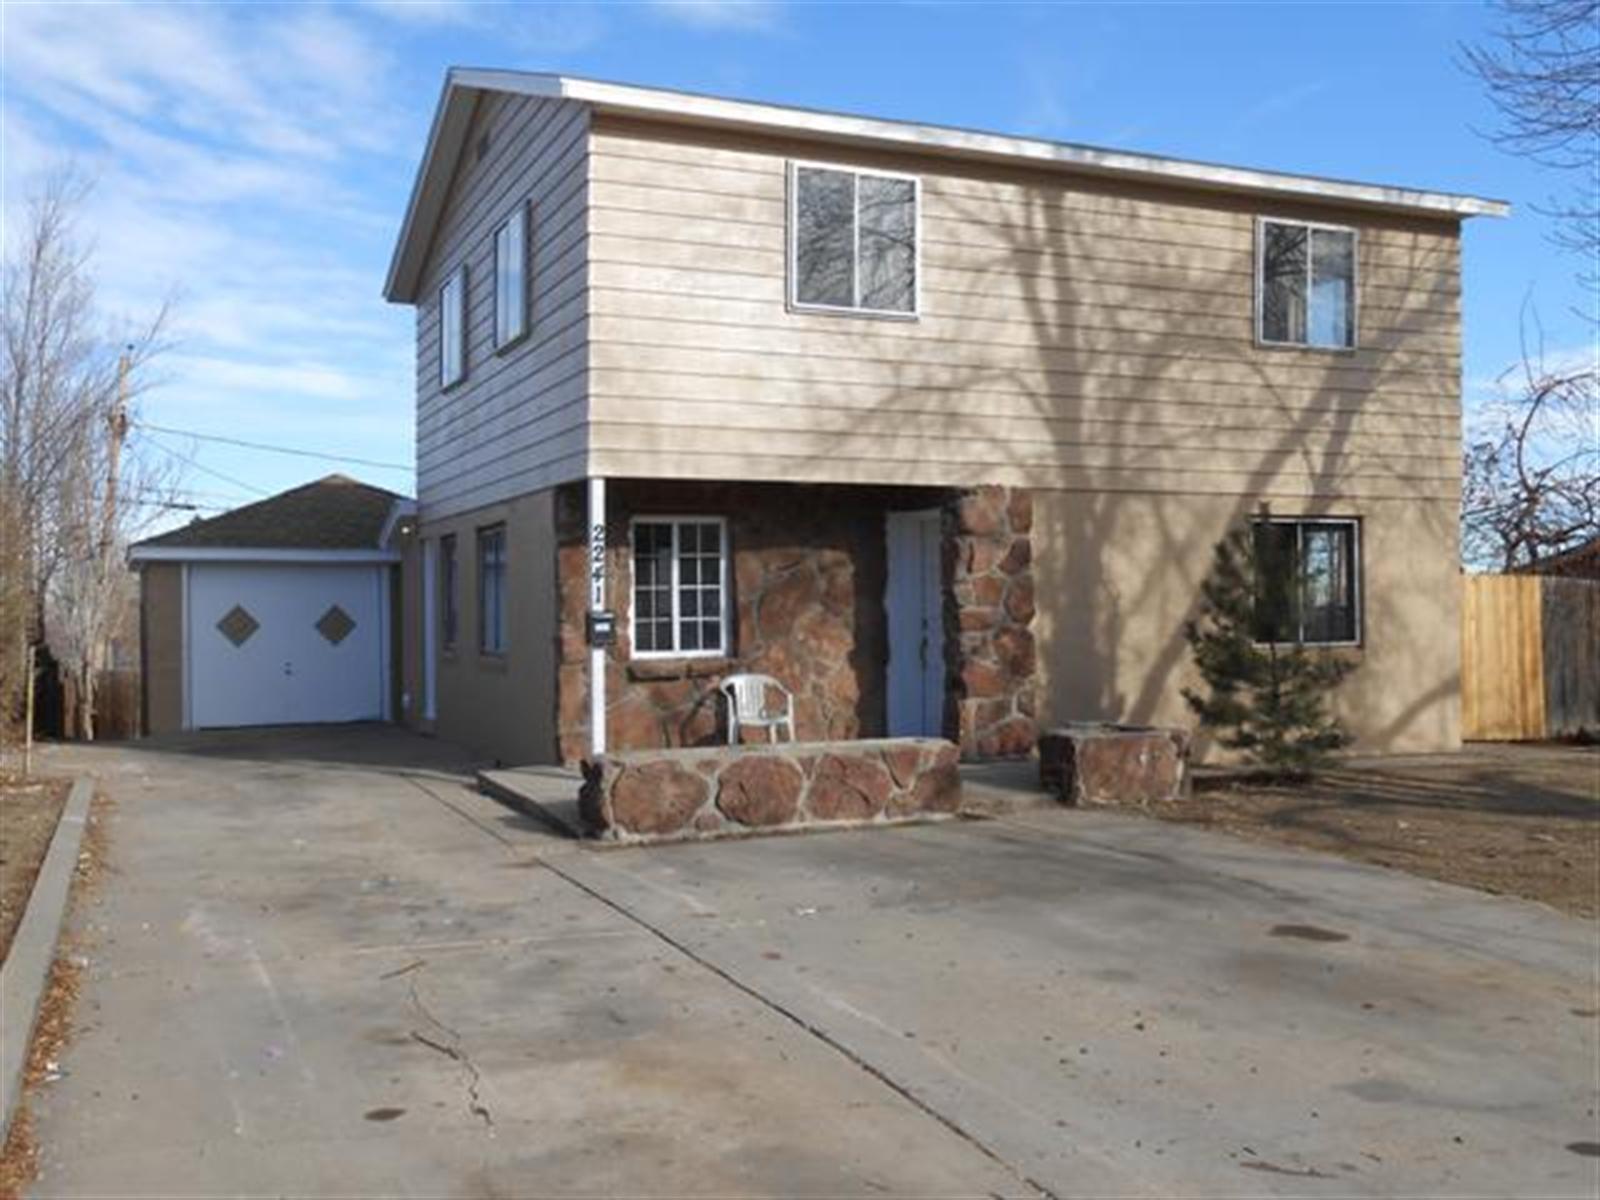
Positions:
(597, 602)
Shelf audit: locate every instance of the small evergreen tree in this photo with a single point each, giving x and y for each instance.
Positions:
(1265, 698)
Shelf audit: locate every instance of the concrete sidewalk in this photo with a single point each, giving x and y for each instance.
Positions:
(325, 966)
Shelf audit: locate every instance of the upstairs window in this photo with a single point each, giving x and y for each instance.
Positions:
(852, 241)
(511, 278)
(492, 590)
(453, 328)
(1306, 285)
(1309, 573)
(680, 587)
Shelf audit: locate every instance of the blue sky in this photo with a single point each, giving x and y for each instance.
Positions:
(255, 158)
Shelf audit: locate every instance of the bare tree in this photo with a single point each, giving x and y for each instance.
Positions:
(1543, 73)
(66, 384)
(1531, 482)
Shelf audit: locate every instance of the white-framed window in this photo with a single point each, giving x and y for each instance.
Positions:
(1309, 573)
(511, 278)
(492, 589)
(453, 328)
(854, 240)
(680, 587)
(1305, 284)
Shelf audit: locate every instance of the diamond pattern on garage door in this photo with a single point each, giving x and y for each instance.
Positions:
(335, 625)
(237, 625)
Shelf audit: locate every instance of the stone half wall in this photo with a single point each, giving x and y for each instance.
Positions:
(807, 581)
(1092, 763)
(808, 578)
(670, 795)
(989, 608)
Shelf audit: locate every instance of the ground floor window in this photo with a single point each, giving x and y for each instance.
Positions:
(447, 590)
(1310, 581)
(680, 568)
(492, 589)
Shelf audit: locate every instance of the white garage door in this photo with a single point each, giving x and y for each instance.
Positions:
(279, 644)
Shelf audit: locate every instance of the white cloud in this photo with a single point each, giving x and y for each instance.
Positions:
(541, 30)
(1277, 104)
(235, 152)
(427, 12)
(289, 385)
(755, 16)
(547, 33)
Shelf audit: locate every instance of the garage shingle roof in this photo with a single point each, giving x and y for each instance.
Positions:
(332, 513)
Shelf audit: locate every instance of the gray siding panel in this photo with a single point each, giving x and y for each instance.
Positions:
(517, 423)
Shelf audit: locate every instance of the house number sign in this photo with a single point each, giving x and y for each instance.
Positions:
(601, 625)
(597, 565)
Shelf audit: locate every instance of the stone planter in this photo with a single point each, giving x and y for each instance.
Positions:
(672, 795)
(1114, 764)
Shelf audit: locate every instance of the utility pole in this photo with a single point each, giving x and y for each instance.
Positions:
(117, 424)
(105, 566)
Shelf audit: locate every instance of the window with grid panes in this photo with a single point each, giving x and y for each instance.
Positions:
(679, 587)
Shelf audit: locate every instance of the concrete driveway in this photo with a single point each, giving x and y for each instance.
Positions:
(324, 965)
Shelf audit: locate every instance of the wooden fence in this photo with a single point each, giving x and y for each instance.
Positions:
(1530, 657)
(116, 707)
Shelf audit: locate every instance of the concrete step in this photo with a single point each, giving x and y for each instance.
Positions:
(994, 789)
(547, 794)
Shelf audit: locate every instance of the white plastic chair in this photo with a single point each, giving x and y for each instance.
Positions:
(747, 697)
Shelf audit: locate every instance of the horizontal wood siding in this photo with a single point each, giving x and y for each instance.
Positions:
(1074, 334)
(516, 424)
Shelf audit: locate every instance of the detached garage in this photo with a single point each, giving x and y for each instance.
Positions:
(281, 612)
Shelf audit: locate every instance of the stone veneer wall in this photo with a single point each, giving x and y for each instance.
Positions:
(808, 584)
(667, 795)
(989, 608)
(1091, 763)
(807, 579)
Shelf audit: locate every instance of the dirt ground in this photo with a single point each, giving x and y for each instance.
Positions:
(19, 1155)
(1522, 820)
(28, 814)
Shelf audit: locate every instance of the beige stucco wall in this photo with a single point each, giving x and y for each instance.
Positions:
(502, 706)
(161, 639)
(1119, 574)
(408, 623)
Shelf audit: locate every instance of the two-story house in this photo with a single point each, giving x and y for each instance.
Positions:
(937, 427)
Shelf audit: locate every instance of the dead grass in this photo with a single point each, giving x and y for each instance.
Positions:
(29, 810)
(19, 1159)
(1513, 820)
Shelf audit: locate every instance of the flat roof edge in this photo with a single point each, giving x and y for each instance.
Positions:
(140, 553)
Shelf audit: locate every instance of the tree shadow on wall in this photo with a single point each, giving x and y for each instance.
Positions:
(1100, 340)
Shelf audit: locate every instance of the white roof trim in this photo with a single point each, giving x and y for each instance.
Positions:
(194, 554)
(402, 508)
(462, 85)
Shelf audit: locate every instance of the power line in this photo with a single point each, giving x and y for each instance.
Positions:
(233, 441)
(183, 501)
(178, 454)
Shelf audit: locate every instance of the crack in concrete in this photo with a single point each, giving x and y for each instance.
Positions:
(456, 1054)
